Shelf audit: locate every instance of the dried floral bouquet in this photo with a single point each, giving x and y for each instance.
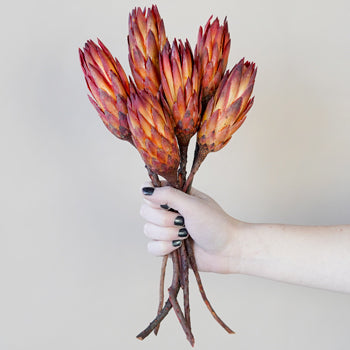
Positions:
(173, 94)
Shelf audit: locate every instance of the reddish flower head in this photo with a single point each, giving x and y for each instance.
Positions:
(146, 40)
(108, 85)
(211, 53)
(227, 110)
(180, 85)
(153, 135)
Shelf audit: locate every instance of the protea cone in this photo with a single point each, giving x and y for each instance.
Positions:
(180, 87)
(153, 135)
(225, 113)
(180, 84)
(146, 39)
(109, 87)
(211, 53)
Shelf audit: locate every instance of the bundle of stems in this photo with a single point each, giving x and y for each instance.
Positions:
(183, 259)
(173, 95)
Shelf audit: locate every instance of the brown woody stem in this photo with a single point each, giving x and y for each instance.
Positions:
(185, 283)
(182, 258)
(154, 177)
(189, 243)
(173, 299)
(201, 153)
(183, 162)
(175, 287)
(161, 315)
(173, 292)
(156, 183)
(161, 288)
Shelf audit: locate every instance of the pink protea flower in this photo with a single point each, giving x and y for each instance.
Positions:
(146, 39)
(109, 87)
(153, 135)
(225, 112)
(180, 86)
(211, 53)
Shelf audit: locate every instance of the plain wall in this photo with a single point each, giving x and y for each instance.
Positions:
(74, 269)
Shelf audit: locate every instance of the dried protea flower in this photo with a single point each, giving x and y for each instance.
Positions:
(109, 87)
(211, 53)
(225, 113)
(146, 40)
(227, 110)
(153, 135)
(180, 84)
(180, 87)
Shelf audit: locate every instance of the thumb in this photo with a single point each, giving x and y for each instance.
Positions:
(167, 196)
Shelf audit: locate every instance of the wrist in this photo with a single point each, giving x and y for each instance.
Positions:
(259, 248)
(239, 246)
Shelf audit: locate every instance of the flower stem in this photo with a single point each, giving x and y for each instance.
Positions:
(185, 283)
(173, 299)
(182, 258)
(183, 162)
(201, 153)
(189, 243)
(161, 315)
(161, 289)
(170, 303)
(154, 177)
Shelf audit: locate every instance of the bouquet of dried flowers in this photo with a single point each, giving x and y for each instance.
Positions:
(174, 93)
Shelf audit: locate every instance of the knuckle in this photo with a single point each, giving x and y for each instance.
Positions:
(163, 220)
(147, 229)
(143, 210)
(150, 247)
(163, 248)
(160, 218)
(158, 248)
(168, 191)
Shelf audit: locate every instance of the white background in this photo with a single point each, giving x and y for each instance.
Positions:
(74, 270)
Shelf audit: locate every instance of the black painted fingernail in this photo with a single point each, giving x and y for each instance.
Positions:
(147, 191)
(164, 206)
(183, 233)
(173, 210)
(179, 221)
(176, 243)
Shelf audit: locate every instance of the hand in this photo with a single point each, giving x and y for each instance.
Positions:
(314, 256)
(214, 232)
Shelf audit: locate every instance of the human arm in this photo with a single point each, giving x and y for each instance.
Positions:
(315, 256)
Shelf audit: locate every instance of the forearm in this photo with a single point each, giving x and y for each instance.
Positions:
(315, 256)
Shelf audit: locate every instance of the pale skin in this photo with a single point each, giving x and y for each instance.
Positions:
(313, 256)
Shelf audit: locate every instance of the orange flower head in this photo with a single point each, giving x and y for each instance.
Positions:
(153, 135)
(228, 108)
(146, 39)
(108, 85)
(180, 87)
(211, 54)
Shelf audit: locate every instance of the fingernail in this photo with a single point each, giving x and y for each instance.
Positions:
(173, 210)
(179, 221)
(183, 232)
(164, 206)
(176, 243)
(147, 191)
